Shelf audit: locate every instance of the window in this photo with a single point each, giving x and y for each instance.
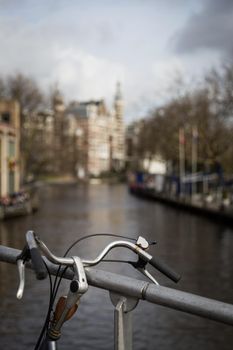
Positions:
(11, 149)
(5, 117)
(11, 165)
(11, 182)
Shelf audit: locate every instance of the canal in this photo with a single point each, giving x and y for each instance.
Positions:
(194, 246)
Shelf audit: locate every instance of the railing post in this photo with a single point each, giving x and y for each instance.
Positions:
(123, 321)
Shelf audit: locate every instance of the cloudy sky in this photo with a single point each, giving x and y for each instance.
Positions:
(87, 46)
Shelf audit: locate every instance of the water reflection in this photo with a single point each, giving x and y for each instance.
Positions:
(198, 248)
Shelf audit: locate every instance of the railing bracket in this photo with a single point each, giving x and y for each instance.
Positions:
(123, 320)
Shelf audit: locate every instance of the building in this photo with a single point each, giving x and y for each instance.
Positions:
(81, 139)
(63, 140)
(37, 146)
(99, 136)
(117, 132)
(92, 128)
(9, 147)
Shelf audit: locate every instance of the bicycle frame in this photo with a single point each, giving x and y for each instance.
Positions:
(48, 345)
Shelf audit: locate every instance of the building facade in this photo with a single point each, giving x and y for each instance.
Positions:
(9, 147)
(97, 136)
(81, 139)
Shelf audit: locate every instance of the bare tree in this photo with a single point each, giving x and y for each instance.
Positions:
(26, 91)
(209, 108)
(2, 88)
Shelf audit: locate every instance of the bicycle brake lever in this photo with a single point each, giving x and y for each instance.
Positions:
(148, 275)
(140, 265)
(21, 259)
(21, 269)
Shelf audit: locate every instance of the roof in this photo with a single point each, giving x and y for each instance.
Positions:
(92, 102)
(77, 110)
(80, 109)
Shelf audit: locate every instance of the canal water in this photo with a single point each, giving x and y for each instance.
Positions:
(196, 247)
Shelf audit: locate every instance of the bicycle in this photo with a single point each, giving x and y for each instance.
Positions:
(67, 305)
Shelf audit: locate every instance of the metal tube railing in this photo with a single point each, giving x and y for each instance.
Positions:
(129, 287)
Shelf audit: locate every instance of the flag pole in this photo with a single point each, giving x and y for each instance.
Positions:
(194, 160)
(181, 159)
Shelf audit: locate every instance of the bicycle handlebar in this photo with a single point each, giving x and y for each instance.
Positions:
(37, 260)
(165, 269)
(147, 258)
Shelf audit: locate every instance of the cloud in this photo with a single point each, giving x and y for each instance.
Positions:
(86, 47)
(50, 55)
(211, 28)
(52, 51)
(84, 76)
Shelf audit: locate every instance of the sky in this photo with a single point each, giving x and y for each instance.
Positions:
(87, 46)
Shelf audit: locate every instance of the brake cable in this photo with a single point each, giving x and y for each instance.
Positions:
(54, 287)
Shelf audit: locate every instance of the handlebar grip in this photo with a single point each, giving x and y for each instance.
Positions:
(165, 269)
(38, 264)
(37, 261)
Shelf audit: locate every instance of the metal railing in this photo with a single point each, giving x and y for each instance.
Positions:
(125, 293)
